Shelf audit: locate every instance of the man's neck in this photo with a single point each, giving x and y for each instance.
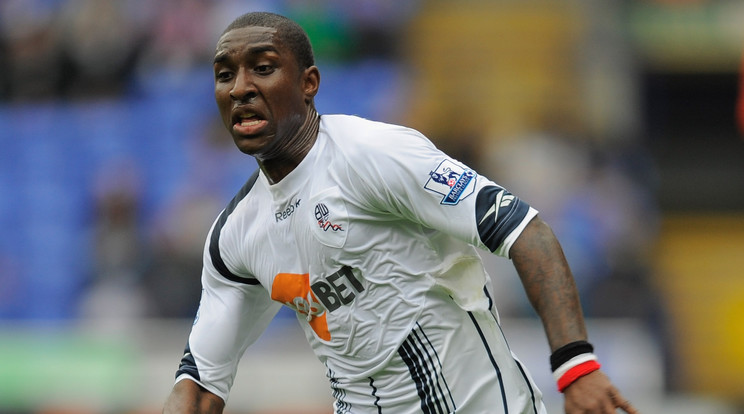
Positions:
(288, 154)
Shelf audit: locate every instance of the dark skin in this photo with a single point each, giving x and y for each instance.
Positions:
(266, 102)
(549, 284)
(188, 397)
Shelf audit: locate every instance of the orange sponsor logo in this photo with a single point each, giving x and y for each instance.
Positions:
(293, 290)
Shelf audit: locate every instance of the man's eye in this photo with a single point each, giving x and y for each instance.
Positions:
(264, 69)
(223, 75)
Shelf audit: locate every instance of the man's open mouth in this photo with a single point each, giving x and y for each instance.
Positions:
(248, 123)
(248, 119)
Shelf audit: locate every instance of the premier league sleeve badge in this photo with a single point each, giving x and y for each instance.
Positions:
(452, 181)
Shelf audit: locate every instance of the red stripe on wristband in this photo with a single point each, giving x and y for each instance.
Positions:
(577, 372)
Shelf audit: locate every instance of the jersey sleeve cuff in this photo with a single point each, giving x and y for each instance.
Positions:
(505, 247)
(207, 387)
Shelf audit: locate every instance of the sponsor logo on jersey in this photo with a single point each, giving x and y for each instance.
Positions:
(325, 295)
(293, 290)
(452, 181)
(338, 289)
(322, 215)
(287, 212)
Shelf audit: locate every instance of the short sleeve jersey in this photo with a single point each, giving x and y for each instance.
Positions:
(371, 237)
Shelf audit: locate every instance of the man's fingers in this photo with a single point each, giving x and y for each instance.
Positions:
(620, 402)
(627, 407)
(594, 393)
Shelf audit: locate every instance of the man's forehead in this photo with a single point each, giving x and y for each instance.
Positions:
(250, 35)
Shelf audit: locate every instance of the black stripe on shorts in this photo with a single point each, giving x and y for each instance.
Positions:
(338, 393)
(493, 362)
(516, 361)
(374, 394)
(425, 368)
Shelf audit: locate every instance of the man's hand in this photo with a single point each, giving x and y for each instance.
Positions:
(594, 394)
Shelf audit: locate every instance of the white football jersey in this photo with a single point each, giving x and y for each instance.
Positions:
(372, 241)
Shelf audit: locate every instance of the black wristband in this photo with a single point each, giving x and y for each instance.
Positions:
(568, 351)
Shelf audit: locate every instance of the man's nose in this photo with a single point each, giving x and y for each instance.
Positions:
(243, 89)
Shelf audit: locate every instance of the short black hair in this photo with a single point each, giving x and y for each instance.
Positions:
(291, 33)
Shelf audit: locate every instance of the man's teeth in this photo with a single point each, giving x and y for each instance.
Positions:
(249, 122)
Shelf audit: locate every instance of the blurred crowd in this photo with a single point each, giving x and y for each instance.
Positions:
(114, 165)
(78, 49)
(139, 220)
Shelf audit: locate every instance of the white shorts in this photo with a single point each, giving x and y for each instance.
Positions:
(464, 366)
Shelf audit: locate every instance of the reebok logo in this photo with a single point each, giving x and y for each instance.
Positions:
(502, 200)
(287, 212)
(498, 213)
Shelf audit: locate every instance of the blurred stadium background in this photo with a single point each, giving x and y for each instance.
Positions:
(617, 119)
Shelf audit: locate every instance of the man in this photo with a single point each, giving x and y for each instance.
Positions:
(369, 232)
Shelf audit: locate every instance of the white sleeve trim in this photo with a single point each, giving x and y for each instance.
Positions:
(207, 387)
(505, 247)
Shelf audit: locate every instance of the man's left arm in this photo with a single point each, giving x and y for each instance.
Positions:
(550, 288)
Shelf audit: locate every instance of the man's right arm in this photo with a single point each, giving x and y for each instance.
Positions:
(231, 316)
(234, 310)
(187, 397)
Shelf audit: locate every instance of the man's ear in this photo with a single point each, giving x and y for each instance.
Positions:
(311, 82)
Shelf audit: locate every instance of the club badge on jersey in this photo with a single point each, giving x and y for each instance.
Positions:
(452, 181)
(330, 219)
